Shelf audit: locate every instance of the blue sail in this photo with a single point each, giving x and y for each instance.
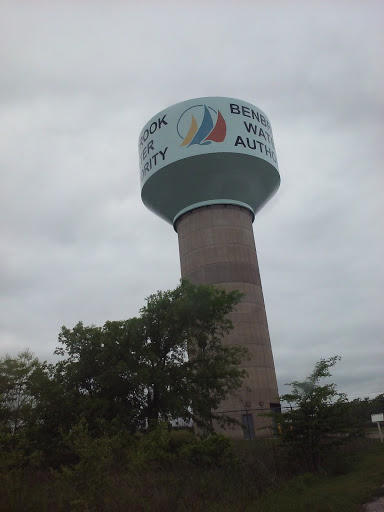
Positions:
(205, 128)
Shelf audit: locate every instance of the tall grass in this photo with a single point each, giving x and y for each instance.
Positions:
(177, 472)
(329, 492)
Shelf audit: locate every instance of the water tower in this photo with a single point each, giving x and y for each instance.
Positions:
(207, 166)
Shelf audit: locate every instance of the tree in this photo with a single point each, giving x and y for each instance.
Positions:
(362, 409)
(17, 375)
(102, 373)
(26, 409)
(190, 319)
(136, 372)
(319, 417)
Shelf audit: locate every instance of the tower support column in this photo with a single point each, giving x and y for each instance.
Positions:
(217, 247)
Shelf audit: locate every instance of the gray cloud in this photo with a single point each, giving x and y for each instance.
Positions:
(78, 83)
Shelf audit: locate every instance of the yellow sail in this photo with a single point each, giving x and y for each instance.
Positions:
(191, 132)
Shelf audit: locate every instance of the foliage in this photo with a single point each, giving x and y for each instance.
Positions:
(95, 462)
(320, 418)
(324, 493)
(17, 379)
(136, 372)
(121, 378)
(183, 486)
(362, 409)
(101, 375)
(215, 451)
(94, 431)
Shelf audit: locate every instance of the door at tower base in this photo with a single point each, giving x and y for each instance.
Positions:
(248, 426)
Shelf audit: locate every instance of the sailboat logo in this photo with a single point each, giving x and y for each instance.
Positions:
(201, 125)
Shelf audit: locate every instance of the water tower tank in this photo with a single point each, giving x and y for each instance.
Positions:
(207, 166)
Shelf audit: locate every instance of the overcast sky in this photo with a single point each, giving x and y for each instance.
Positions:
(78, 81)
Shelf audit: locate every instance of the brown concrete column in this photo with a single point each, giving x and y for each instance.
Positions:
(217, 247)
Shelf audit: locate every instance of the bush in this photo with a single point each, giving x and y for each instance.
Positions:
(180, 438)
(320, 420)
(215, 451)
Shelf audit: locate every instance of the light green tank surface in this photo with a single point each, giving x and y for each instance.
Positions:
(207, 151)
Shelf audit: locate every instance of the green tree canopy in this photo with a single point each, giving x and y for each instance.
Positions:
(18, 376)
(319, 417)
(137, 372)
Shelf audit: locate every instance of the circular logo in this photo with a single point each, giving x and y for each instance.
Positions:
(201, 125)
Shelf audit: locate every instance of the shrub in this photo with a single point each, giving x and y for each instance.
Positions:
(215, 451)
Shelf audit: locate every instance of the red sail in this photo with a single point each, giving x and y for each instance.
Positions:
(219, 130)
